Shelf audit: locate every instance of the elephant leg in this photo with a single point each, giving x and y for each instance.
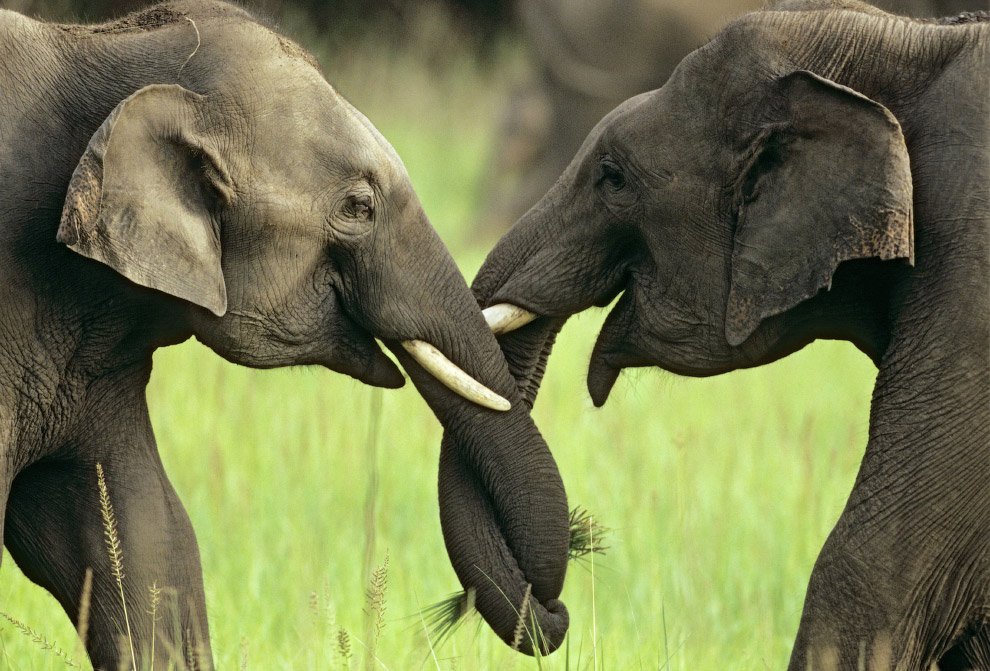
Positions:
(895, 590)
(56, 531)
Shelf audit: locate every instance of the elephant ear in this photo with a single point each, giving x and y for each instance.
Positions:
(826, 180)
(144, 195)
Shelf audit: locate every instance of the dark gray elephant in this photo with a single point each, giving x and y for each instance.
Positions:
(817, 171)
(188, 171)
(589, 56)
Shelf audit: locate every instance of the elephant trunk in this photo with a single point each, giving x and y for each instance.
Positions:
(527, 322)
(503, 508)
(519, 603)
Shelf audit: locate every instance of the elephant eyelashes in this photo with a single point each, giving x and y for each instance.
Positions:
(612, 176)
(353, 216)
(359, 207)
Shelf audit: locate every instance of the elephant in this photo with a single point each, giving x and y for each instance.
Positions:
(188, 171)
(818, 170)
(588, 57)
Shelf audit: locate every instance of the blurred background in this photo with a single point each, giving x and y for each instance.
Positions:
(719, 492)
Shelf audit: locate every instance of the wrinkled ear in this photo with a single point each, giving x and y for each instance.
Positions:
(826, 180)
(144, 195)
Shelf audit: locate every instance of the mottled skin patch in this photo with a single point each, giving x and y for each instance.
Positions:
(82, 203)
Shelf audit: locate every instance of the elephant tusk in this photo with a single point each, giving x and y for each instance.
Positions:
(455, 379)
(506, 317)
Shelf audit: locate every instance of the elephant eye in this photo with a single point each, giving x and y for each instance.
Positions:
(612, 175)
(358, 207)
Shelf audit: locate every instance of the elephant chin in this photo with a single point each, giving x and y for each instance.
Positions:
(352, 351)
(601, 378)
(373, 368)
(608, 358)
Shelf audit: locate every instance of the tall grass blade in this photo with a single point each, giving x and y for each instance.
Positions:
(85, 598)
(517, 635)
(155, 593)
(114, 551)
(590, 527)
(429, 643)
(370, 502)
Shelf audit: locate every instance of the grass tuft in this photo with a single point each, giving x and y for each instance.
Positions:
(444, 617)
(586, 535)
(314, 605)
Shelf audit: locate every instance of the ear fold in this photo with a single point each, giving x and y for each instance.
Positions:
(143, 196)
(827, 180)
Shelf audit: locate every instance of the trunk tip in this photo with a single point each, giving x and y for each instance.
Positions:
(539, 626)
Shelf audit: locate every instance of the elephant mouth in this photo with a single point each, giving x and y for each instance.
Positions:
(526, 345)
(356, 352)
(527, 338)
(353, 351)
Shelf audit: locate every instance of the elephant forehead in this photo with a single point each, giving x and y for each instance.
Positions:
(343, 133)
(295, 124)
(370, 142)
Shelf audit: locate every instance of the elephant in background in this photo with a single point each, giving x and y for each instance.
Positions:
(819, 170)
(588, 57)
(187, 171)
(339, 21)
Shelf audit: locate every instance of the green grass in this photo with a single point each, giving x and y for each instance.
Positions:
(719, 492)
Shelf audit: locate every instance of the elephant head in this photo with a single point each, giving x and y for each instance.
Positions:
(273, 220)
(742, 210)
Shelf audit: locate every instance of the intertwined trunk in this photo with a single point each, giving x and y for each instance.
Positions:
(503, 508)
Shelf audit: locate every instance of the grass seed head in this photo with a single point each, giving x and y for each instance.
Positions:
(42, 641)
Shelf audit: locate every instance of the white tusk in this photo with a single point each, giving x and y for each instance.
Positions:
(455, 379)
(506, 317)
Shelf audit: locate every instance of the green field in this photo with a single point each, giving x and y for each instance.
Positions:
(719, 492)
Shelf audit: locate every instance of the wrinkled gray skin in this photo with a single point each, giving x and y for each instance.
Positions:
(590, 55)
(188, 171)
(807, 174)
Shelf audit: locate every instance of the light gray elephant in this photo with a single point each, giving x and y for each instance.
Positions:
(589, 56)
(188, 171)
(821, 170)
